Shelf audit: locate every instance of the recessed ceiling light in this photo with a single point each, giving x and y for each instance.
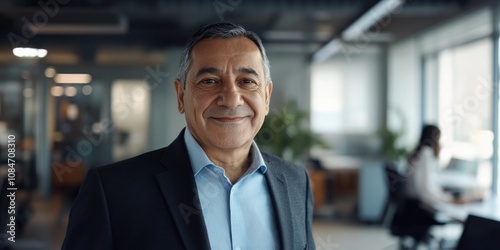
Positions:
(73, 78)
(87, 90)
(70, 91)
(56, 91)
(50, 72)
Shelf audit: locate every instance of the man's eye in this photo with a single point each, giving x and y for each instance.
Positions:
(248, 84)
(248, 81)
(208, 81)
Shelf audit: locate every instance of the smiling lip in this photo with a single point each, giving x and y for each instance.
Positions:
(229, 119)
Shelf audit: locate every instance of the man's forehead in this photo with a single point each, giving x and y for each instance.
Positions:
(224, 47)
(217, 53)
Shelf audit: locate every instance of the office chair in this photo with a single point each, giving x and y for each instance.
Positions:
(392, 178)
(402, 222)
(479, 233)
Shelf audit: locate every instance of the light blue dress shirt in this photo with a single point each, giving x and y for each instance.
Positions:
(238, 216)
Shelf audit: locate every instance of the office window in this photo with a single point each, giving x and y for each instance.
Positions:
(465, 104)
(346, 94)
(130, 114)
(326, 98)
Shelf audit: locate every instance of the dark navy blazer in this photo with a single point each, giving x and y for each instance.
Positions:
(150, 202)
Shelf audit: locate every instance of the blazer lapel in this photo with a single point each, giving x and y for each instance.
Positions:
(178, 187)
(281, 200)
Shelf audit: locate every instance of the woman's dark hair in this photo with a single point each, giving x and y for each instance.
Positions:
(429, 137)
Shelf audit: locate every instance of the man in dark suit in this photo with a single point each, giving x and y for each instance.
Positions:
(211, 188)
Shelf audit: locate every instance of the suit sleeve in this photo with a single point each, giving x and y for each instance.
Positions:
(89, 225)
(309, 214)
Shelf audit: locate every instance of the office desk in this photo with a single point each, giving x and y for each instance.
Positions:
(469, 187)
(489, 208)
(345, 170)
(340, 162)
(337, 180)
(359, 178)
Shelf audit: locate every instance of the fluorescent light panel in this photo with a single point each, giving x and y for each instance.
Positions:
(362, 24)
(330, 49)
(73, 78)
(29, 52)
(370, 18)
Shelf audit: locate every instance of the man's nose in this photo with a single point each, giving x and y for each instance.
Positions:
(230, 95)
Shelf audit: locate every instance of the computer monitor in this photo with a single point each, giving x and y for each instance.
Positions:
(463, 166)
(480, 233)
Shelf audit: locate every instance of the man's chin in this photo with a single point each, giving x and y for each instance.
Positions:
(233, 142)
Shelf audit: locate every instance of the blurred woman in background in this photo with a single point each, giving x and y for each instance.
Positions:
(422, 185)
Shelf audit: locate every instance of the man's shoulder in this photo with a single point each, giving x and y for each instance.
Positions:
(282, 165)
(146, 162)
(176, 149)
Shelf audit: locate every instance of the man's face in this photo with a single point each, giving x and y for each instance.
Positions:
(226, 97)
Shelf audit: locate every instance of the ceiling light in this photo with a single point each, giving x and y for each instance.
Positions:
(41, 53)
(370, 18)
(72, 112)
(87, 90)
(50, 72)
(330, 49)
(73, 78)
(29, 52)
(56, 91)
(359, 28)
(70, 91)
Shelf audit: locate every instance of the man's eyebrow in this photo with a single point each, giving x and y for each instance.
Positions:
(212, 70)
(247, 71)
(209, 70)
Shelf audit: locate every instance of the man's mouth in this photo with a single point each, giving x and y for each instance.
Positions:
(229, 118)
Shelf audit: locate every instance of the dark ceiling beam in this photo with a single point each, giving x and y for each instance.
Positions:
(131, 5)
(271, 22)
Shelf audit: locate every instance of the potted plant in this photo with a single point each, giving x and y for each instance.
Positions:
(285, 133)
(392, 153)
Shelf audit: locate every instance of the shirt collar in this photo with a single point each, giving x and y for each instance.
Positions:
(200, 160)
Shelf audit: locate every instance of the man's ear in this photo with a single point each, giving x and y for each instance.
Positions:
(269, 91)
(180, 95)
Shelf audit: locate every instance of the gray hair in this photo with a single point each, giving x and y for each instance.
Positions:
(220, 30)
